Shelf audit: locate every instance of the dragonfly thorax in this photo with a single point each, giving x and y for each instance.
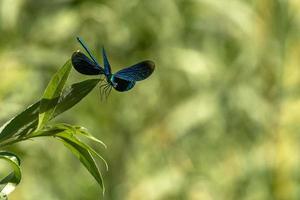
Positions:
(119, 84)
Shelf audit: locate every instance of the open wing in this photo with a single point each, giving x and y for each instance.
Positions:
(137, 72)
(84, 65)
(107, 68)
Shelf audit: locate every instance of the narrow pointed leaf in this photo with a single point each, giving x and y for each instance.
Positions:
(50, 131)
(52, 94)
(9, 183)
(70, 132)
(69, 135)
(19, 123)
(83, 131)
(84, 155)
(75, 94)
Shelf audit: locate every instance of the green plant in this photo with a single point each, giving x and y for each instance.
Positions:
(34, 122)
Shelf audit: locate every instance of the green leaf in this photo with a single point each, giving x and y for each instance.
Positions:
(50, 130)
(70, 132)
(75, 94)
(82, 152)
(66, 133)
(83, 131)
(71, 136)
(52, 94)
(27, 121)
(20, 123)
(9, 183)
(75, 130)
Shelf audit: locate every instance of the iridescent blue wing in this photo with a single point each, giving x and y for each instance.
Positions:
(87, 50)
(107, 68)
(84, 65)
(137, 72)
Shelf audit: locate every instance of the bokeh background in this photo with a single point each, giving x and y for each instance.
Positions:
(218, 119)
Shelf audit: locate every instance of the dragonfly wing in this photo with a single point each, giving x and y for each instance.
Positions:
(107, 68)
(137, 72)
(84, 65)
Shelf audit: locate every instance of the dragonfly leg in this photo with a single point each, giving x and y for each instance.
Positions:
(104, 91)
(107, 92)
(101, 88)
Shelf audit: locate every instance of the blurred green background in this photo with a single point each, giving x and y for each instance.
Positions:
(218, 119)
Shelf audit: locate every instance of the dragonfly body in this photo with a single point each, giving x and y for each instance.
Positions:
(121, 85)
(121, 81)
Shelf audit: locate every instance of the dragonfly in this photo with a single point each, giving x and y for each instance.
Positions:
(121, 81)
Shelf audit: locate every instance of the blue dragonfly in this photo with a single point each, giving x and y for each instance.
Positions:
(121, 81)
